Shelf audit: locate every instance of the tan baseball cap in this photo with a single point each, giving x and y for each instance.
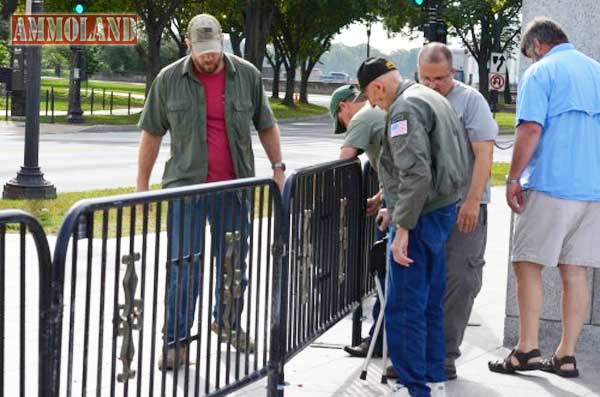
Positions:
(205, 34)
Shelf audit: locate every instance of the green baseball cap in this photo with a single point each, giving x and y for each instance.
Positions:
(340, 95)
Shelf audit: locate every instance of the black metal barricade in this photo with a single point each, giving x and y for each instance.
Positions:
(129, 262)
(323, 210)
(370, 188)
(24, 287)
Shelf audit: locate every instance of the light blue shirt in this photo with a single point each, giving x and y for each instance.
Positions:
(561, 92)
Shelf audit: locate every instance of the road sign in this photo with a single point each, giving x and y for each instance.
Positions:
(497, 81)
(498, 63)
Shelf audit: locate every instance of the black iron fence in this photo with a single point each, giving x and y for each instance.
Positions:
(123, 290)
(24, 306)
(218, 285)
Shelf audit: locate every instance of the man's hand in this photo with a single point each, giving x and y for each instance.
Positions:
(514, 197)
(400, 247)
(279, 177)
(373, 204)
(468, 216)
(383, 219)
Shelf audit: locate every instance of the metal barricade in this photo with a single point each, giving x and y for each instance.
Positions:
(323, 210)
(24, 287)
(129, 262)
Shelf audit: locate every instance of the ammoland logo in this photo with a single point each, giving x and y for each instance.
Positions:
(85, 29)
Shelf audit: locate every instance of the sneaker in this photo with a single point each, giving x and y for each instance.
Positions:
(398, 390)
(450, 369)
(438, 389)
(391, 373)
(361, 350)
(238, 343)
(169, 363)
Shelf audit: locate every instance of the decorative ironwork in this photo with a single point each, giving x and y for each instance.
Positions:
(131, 317)
(232, 276)
(343, 241)
(307, 255)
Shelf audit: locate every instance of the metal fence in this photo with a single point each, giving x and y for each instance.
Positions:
(24, 306)
(323, 208)
(218, 284)
(117, 275)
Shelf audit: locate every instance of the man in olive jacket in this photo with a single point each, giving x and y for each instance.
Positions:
(423, 167)
(207, 101)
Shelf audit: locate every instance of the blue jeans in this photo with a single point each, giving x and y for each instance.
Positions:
(414, 311)
(377, 305)
(225, 212)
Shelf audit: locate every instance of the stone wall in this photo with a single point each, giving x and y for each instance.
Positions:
(580, 21)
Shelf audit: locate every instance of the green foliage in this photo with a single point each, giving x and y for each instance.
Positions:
(4, 56)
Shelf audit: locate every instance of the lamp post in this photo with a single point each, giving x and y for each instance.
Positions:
(368, 39)
(29, 182)
(75, 115)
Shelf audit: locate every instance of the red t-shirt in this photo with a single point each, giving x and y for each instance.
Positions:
(220, 163)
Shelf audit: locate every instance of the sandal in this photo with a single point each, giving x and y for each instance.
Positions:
(554, 365)
(507, 367)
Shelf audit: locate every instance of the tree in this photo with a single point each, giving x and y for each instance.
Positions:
(156, 16)
(484, 26)
(275, 59)
(258, 17)
(303, 30)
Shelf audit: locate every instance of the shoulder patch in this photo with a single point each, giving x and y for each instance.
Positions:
(398, 128)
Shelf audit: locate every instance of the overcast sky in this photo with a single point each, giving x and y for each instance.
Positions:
(357, 34)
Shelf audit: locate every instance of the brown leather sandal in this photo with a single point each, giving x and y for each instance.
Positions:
(507, 367)
(554, 365)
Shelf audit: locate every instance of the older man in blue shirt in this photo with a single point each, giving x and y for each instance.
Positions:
(554, 188)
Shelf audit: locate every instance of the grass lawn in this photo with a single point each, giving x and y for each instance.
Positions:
(50, 213)
(97, 119)
(98, 85)
(506, 121)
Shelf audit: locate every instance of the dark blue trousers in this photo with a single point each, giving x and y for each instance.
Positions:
(414, 311)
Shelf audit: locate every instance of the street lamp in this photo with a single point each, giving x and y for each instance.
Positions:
(30, 182)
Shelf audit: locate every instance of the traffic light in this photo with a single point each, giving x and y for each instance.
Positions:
(418, 2)
(79, 8)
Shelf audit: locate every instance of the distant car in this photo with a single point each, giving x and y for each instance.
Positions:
(336, 77)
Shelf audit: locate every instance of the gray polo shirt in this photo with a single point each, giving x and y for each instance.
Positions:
(474, 113)
(365, 132)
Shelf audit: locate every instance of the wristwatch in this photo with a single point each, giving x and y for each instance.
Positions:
(279, 164)
(513, 181)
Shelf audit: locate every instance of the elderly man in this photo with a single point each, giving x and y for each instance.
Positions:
(554, 189)
(207, 101)
(423, 167)
(364, 127)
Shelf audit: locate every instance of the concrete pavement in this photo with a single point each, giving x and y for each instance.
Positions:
(324, 369)
(87, 157)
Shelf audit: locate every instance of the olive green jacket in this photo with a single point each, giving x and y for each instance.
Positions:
(424, 157)
(176, 102)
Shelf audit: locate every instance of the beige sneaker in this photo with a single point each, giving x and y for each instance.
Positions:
(238, 343)
(170, 361)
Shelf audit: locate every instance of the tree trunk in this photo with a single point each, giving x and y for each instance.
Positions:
(290, 83)
(153, 54)
(507, 96)
(304, 73)
(276, 73)
(236, 42)
(483, 78)
(182, 49)
(258, 17)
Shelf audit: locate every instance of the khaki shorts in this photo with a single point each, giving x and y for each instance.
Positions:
(553, 231)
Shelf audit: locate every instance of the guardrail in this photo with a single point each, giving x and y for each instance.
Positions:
(24, 285)
(262, 276)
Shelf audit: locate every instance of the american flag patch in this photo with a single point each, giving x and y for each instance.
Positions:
(399, 128)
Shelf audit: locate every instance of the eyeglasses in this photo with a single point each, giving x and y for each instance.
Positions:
(436, 80)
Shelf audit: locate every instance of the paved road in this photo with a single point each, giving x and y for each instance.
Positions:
(77, 158)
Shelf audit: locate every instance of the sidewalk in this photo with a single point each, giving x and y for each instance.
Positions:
(324, 369)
